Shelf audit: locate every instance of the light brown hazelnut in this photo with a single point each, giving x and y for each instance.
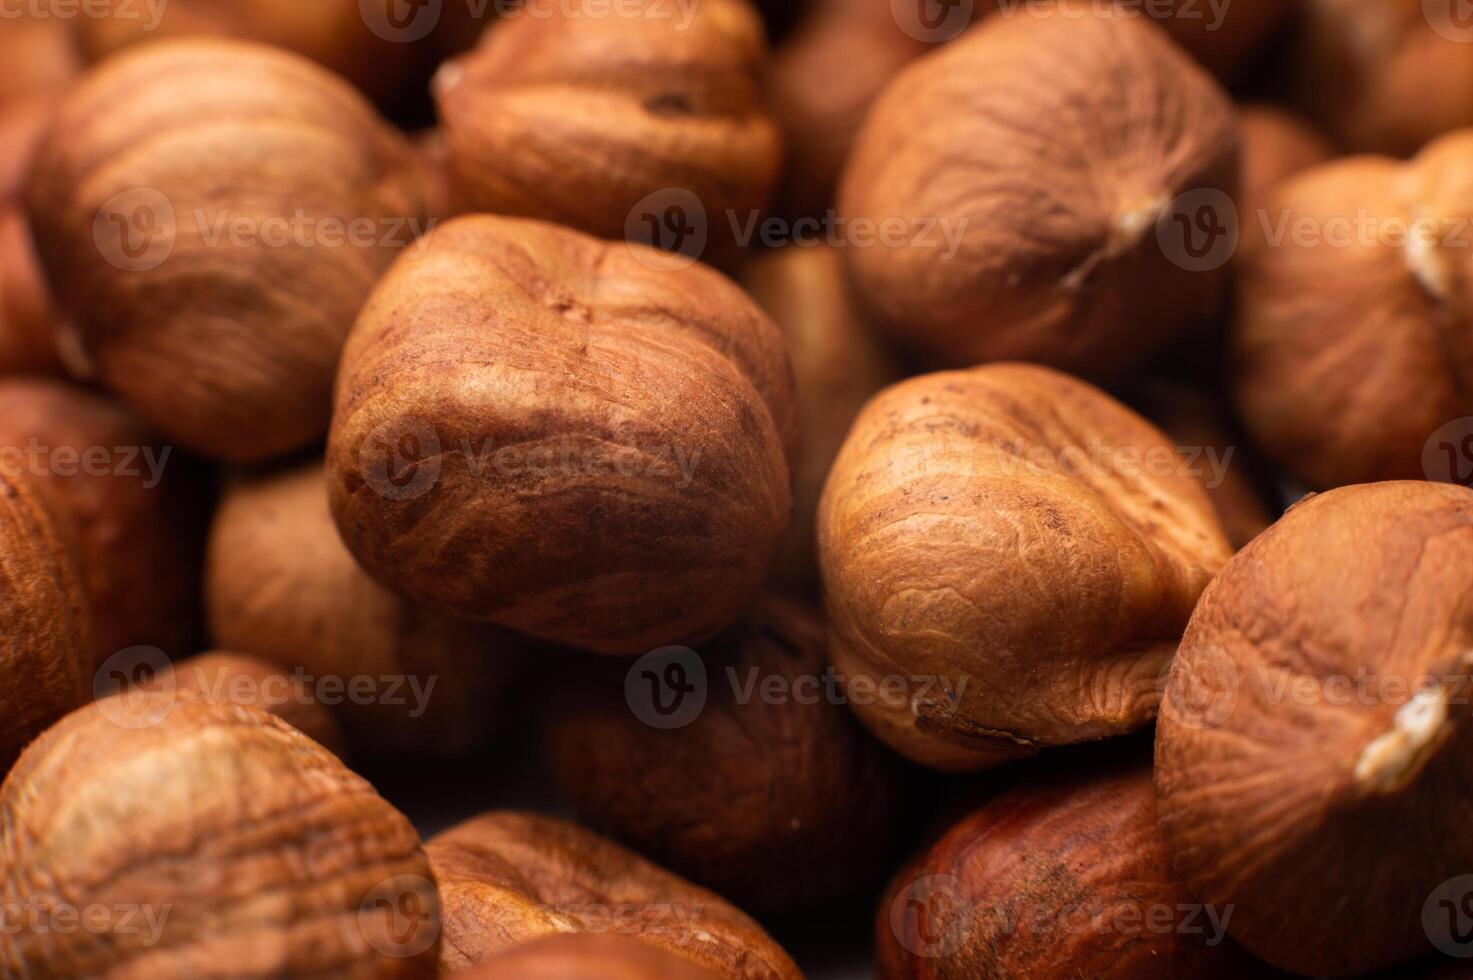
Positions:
(1276, 145)
(771, 793)
(579, 440)
(204, 203)
(38, 51)
(229, 838)
(508, 878)
(587, 956)
(45, 633)
(1352, 342)
(1060, 876)
(279, 584)
(1314, 749)
(838, 363)
(1009, 558)
(134, 509)
(577, 118)
(1039, 243)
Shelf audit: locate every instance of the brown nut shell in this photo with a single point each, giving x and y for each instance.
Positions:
(1315, 741)
(37, 50)
(587, 956)
(280, 585)
(208, 204)
(571, 438)
(230, 836)
(773, 794)
(1009, 559)
(1032, 242)
(1276, 145)
(509, 878)
(575, 117)
(27, 333)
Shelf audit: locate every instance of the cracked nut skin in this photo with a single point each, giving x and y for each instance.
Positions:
(279, 584)
(1353, 346)
(137, 523)
(510, 878)
(1325, 814)
(575, 118)
(587, 956)
(270, 857)
(1061, 877)
(1021, 551)
(45, 630)
(774, 803)
(1054, 227)
(571, 438)
(196, 196)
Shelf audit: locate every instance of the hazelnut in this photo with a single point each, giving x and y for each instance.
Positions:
(577, 118)
(229, 836)
(213, 270)
(1276, 144)
(773, 795)
(1351, 343)
(1030, 242)
(579, 440)
(1062, 876)
(509, 878)
(1009, 558)
(838, 364)
(45, 634)
(587, 956)
(135, 512)
(1314, 747)
(280, 584)
(38, 52)
(26, 342)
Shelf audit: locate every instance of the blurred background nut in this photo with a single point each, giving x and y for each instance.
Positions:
(39, 52)
(1055, 239)
(1353, 343)
(570, 438)
(203, 203)
(576, 117)
(280, 585)
(773, 796)
(587, 956)
(1021, 544)
(45, 634)
(1321, 745)
(27, 341)
(1276, 145)
(234, 837)
(510, 878)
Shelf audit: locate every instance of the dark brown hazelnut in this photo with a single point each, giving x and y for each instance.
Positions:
(587, 956)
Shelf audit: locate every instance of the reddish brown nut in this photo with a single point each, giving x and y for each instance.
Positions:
(45, 634)
(508, 878)
(38, 52)
(213, 269)
(575, 439)
(1009, 558)
(223, 834)
(838, 364)
(772, 794)
(1315, 742)
(134, 510)
(1353, 340)
(1065, 876)
(587, 956)
(26, 342)
(1276, 145)
(997, 238)
(279, 584)
(576, 117)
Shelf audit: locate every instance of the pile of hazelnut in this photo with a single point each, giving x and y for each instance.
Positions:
(697, 489)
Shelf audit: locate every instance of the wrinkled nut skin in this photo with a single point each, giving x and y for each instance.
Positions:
(776, 802)
(576, 118)
(199, 199)
(839, 364)
(280, 585)
(133, 508)
(1281, 804)
(587, 956)
(1009, 558)
(266, 852)
(1276, 145)
(1352, 346)
(508, 878)
(571, 438)
(1057, 240)
(1065, 876)
(45, 633)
